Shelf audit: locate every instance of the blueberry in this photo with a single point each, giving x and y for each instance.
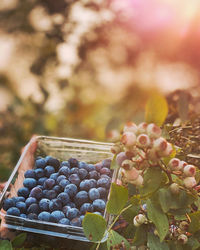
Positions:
(54, 176)
(72, 213)
(55, 204)
(74, 179)
(91, 167)
(19, 198)
(73, 162)
(21, 206)
(64, 198)
(49, 170)
(8, 203)
(93, 175)
(106, 163)
(32, 216)
(71, 190)
(64, 221)
(83, 165)
(30, 174)
(44, 204)
(106, 176)
(98, 166)
(36, 192)
(103, 192)
(40, 186)
(86, 207)
(103, 182)
(23, 192)
(81, 197)
(44, 216)
(56, 216)
(99, 205)
(42, 180)
(49, 194)
(85, 185)
(76, 222)
(60, 178)
(82, 173)
(13, 211)
(94, 194)
(52, 162)
(30, 183)
(57, 188)
(74, 171)
(64, 183)
(23, 216)
(71, 204)
(39, 172)
(65, 163)
(65, 209)
(105, 171)
(49, 183)
(40, 163)
(33, 208)
(30, 201)
(92, 183)
(64, 171)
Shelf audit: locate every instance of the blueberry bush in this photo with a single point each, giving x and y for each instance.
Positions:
(156, 193)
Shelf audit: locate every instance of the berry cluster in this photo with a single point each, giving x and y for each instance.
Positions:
(142, 146)
(61, 192)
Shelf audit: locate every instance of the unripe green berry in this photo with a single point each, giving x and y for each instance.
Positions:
(182, 239)
(189, 182)
(174, 188)
(139, 219)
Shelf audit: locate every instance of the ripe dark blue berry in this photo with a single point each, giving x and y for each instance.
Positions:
(33, 208)
(64, 171)
(44, 204)
(64, 198)
(74, 179)
(52, 162)
(32, 216)
(63, 183)
(103, 182)
(76, 222)
(56, 216)
(30, 174)
(106, 163)
(82, 173)
(91, 167)
(30, 201)
(86, 207)
(72, 213)
(55, 204)
(94, 194)
(49, 194)
(65, 163)
(64, 221)
(105, 171)
(60, 178)
(93, 183)
(93, 175)
(21, 206)
(39, 172)
(83, 165)
(36, 192)
(30, 183)
(49, 170)
(73, 162)
(65, 209)
(85, 185)
(23, 192)
(71, 204)
(40, 163)
(19, 198)
(103, 192)
(44, 216)
(23, 216)
(42, 180)
(74, 171)
(54, 176)
(49, 183)
(71, 190)
(13, 211)
(57, 188)
(99, 205)
(81, 197)
(8, 203)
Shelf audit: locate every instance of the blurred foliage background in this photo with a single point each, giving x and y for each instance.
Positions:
(82, 68)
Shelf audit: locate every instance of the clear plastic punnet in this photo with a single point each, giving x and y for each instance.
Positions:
(62, 149)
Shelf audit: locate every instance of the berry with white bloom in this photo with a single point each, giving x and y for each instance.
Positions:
(189, 170)
(174, 188)
(127, 164)
(138, 182)
(128, 139)
(153, 131)
(167, 151)
(142, 127)
(130, 127)
(160, 144)
(139, 220)
(189, 182)
(175, 164)
(131, 175)
(116, 149)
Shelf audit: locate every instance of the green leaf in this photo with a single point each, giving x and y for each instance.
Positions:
(115, 239)
(156, 110)
(94, 227)
(117, 200)
(156, 215)
(154, 243)
(114, 164)
(140, 236)
(193, 243)
(153, 178)
(5, 245)
(164, 198)
(130, 213)
(195, 222)
(19, 240)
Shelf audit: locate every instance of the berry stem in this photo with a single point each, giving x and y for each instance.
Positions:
(163, 167)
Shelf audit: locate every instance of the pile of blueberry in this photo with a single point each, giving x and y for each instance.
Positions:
(61, 192)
